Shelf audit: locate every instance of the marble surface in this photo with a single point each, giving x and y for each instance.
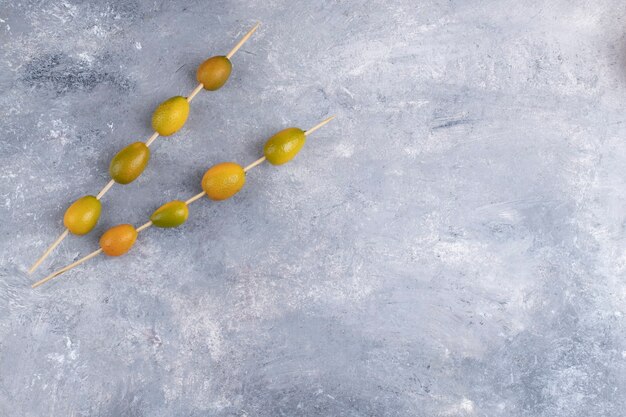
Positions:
(451, 245)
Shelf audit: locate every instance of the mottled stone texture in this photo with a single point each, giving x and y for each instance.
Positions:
(452, 245)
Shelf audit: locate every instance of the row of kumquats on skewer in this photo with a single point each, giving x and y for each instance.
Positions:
(168, 118)
(220, 182)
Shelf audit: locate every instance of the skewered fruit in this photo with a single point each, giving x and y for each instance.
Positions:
(170, 116)
(118, 240)
(214, 72)
(284, 146)
(171, 214)
(129, 163)
(223, 180)
(81, 217)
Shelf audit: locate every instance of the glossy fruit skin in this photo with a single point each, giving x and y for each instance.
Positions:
(129, 163)
(82, 216)
(223, 180)
(118, 240)
(170, 116)
(284, 146)
(214, 72)
(171, 214)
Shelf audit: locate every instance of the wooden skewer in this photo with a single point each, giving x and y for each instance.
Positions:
(149, 224)
(195, 198)
(317, 126)
(48, 251)
(255, 163)
(152, 138)
(105, 189)
(144, 226)
(194, 92)
(148, 142)
(242, 41)
(67, 268)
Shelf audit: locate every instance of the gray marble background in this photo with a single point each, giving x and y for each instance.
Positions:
(451, 245)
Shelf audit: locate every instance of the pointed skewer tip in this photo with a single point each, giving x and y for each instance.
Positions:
(48, 251)
(242, 41)
(320, 124)
(66, 268)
